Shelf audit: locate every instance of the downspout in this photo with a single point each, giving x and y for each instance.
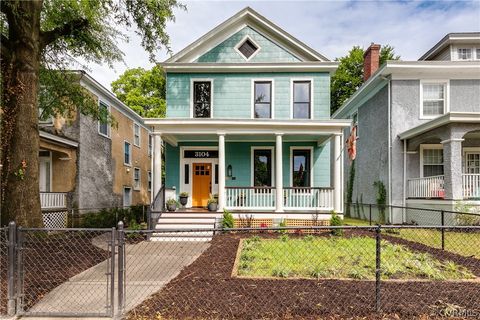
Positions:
(389, 149)
(404, 197)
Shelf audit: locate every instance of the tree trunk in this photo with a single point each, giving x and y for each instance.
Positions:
(19, 132)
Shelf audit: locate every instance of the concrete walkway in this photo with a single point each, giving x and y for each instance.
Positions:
(149, 266)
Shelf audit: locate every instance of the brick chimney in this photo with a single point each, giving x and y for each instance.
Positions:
(371, 60)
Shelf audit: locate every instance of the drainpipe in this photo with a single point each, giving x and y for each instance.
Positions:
(404, 198)
(389, 110)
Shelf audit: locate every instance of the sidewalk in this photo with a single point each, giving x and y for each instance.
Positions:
(88, 293)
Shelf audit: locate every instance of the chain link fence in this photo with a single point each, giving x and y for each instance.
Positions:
(3, 272)
(246, 273)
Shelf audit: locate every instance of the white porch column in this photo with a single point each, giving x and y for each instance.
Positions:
(157, 165)
(221, 171)
(337, 175)
(278, 173)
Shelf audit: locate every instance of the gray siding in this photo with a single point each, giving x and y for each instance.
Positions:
(465, 95)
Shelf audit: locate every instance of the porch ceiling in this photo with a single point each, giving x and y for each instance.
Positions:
(243, 137)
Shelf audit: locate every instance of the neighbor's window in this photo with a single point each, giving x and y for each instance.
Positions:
(127, 197)
(202, 96)
(301, 168)
(247, 48)
(150, 145)
(149, 180)
(127, 153)
(263, 99)
(433, 99)
(103, 127)
(136, 135)
(301, 99)
(136, 178)
(478, 53)
(432, 162)
(262, 168)
(464, 54)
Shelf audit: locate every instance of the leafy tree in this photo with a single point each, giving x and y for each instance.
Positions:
(38, 39)
(143, 91)
(349, 75)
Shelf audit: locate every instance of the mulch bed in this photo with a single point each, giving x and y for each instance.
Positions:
(50, 260)
(207, 290)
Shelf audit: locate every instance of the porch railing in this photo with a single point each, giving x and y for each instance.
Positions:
(428, 187)
(250, 198)
(53, 200)
(308, 198)
(471, 185)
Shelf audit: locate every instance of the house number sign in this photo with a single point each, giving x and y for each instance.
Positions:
(200, 154)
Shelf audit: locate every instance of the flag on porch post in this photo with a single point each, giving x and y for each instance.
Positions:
(352, 144)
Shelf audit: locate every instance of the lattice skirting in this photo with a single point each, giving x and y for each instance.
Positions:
(268, 223)
(55, 219)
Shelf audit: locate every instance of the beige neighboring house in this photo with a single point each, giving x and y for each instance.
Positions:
(87, 165)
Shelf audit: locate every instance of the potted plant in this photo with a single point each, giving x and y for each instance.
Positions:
(171, 204)
(212, 203)
(183, 198)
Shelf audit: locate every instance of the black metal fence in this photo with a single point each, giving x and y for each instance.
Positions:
(248, 273)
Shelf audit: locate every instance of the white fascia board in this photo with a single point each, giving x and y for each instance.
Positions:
(58, 139)
(451, 117)
(330, 67)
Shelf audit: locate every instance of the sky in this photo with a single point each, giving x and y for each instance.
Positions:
(330, 27)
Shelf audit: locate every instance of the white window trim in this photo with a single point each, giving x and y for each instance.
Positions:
(272, 98)
(446, 98)
(130, 157)
(136, 125)
(456, 57)
(192, 81)
(245, 38)
(252, 151)
(108, 135)
(50, 160)
(292, 80)
(149, 180)
(468, 150)
(427, 146)
(123, 196)
(311, 163)
(139, 179)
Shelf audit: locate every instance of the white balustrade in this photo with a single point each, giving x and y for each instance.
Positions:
(53, 200)
(471, 185)
(308, 198)
(428, 187)
(256, 198)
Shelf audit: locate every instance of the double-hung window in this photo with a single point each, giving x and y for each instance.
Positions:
(136, 178)
(434, 99)
(136, 135)
(432, 162)
(262, 99)
(127, 156)
(202, 99)
(302, 98)
(103, 127)
(262, 168)
(464, 53)
(150, 145)
(301, 167)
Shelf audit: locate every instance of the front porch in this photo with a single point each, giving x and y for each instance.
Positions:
(253, 166)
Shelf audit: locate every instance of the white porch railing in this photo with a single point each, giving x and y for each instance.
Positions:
(256, 198)
(471, 185)
(428, 187)
(53, 200)
(308, 198)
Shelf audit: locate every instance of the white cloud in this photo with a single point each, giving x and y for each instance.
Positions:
(330, 27)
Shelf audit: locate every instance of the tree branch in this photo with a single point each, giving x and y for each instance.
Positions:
(69, 28)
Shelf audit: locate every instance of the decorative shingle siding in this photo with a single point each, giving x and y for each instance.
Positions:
(232, 94)
(269, 51)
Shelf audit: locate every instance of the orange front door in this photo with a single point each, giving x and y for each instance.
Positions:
(201, 184)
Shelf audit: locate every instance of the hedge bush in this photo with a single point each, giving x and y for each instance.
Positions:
(108, 218)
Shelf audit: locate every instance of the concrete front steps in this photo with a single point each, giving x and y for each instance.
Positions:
(170, 226)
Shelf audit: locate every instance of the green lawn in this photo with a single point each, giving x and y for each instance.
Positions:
(355, 222)
(462, 243)
(339, 257)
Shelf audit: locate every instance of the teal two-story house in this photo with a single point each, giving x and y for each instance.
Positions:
(248, 118)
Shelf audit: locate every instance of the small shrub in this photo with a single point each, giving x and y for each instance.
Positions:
(284, 237)
(227, 221)
(335, 220)
(282, 224)
(254, 239)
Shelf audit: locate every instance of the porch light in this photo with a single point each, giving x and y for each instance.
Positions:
(229, 171)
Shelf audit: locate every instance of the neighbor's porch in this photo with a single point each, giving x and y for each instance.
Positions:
(247, 160)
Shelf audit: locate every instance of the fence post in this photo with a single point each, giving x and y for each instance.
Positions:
(20, 270)
(378, 272)
(370, 213)
(443, 229)
(12, 239)
(112, 272)
(121, 268)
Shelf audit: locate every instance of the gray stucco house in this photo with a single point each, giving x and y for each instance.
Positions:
(419, 127)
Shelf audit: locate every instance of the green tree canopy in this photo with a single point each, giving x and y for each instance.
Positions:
(349, 75)
(40, 39)
(143, 91)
